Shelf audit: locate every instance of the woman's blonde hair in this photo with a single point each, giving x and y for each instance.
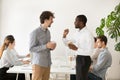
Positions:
(8, 39)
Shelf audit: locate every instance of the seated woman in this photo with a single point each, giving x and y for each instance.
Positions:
(9, 58)
(3, 47)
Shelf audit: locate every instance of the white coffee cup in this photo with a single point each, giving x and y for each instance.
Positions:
(54, 44)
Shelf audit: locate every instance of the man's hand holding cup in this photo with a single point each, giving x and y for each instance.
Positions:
(51, 45)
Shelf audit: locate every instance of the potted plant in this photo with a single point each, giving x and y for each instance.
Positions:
(112, 24)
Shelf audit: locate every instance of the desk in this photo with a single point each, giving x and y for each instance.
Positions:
(27, 69)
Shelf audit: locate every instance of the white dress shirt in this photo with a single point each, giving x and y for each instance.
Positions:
(84, 40)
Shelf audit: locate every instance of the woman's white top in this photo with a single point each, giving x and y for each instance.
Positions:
(9, 58)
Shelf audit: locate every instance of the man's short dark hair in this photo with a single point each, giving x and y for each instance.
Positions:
(82, 18)
(103, 38)
(45, 15)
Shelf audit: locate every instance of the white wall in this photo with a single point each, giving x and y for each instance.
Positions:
(20, 17)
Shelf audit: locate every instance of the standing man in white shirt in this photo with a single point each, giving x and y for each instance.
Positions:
(82, 44)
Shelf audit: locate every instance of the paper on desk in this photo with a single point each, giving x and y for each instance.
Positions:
(26, 67)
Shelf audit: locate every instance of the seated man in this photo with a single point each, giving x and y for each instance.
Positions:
(104, 60)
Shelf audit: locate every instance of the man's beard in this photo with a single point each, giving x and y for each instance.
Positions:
(77, 27)
(49, 25)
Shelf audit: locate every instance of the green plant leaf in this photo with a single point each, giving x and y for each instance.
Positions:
(112, 23)
(99, 31)
(102, 23)
(117, 46)
(117, 8)
(113, 15)
(108, 21)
